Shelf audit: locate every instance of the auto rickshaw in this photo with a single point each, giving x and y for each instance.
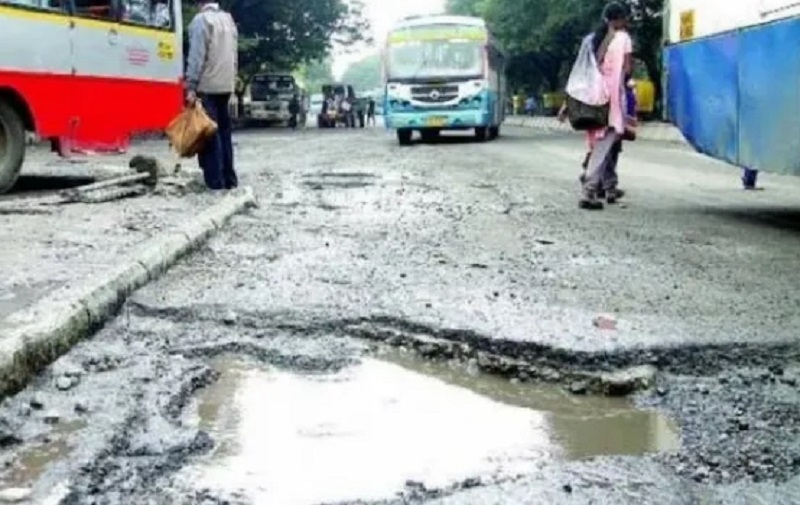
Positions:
(644, 89)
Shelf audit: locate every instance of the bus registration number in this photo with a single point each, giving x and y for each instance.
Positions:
(436, 121)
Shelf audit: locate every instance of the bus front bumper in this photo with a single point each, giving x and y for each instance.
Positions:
(439, 120)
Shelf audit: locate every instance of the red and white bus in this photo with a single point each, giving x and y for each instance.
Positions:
(86, 74)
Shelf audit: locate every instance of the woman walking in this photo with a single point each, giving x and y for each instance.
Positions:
(612, 47)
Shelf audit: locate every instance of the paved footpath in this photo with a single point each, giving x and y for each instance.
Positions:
(71, 265)
(658, 131)
(50, 245)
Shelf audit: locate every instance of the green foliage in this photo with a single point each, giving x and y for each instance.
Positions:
(280, 35)
(542, 36)
(314, 74)
(364, 75)
(466, 7)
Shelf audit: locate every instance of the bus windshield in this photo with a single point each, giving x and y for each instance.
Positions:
(269, 86)
(435, 52)
(425, 60)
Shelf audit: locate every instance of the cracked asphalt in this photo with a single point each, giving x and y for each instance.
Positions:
(359, 243)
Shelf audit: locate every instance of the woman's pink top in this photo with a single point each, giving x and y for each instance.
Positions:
(612, 70)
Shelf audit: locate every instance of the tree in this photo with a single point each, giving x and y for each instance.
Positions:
(364, 75)
(315, 74)
(280, 35)
(466, 7)
(542, 36)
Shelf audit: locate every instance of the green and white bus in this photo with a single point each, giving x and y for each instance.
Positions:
(443, 73)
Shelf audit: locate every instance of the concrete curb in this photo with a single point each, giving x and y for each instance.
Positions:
(660, 132)
(48, 329)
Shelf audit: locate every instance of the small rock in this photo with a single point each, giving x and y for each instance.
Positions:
(625, 382)
(81, 408)
(776, 370)
(701, 474)
(51, 417)
(415, 484)
(37, 403)
(230, 318)
(567, 488)
(470, 483)
(7, 437)
(65, 383)
(742, 424)
(605, 322)
(578, 388)
(15, 494)
(662, 391)
(428, 350)
(551, 376)
(514, 380)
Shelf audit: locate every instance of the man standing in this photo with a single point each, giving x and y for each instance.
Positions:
(211, 78)
(294, 111)
(371, 111)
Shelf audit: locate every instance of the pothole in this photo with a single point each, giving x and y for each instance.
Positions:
(394, 418)
(28, 466)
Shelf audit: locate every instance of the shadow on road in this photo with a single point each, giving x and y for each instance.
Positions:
(29, 183)
(781, 218)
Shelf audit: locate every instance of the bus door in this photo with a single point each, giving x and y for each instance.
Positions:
(152, 62)
(96, 50)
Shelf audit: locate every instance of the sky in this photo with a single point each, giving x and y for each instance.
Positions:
(382, 14)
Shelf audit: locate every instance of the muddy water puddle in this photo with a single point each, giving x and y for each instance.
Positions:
(28, 466)
(365, 432)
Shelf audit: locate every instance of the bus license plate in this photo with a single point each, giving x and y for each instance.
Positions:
(436, 121)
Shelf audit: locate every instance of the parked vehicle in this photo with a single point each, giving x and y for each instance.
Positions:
(267, 98)
(86, 75)
(732, 80)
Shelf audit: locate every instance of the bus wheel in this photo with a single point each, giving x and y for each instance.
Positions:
(494, 132)
(481, 133)
(12, 146)
(404, 136)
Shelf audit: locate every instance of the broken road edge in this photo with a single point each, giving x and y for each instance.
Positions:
(50, 327)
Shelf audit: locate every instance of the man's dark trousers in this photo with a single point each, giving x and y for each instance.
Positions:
(216, 158)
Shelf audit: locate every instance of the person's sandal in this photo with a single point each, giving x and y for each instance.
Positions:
(590, 204)
(612, 195)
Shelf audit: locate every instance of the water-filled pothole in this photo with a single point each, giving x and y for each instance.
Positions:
(363, 433)
(33, 461)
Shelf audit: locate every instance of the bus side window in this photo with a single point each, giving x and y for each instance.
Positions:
(94, 9)
(54, 5)
(153, 13)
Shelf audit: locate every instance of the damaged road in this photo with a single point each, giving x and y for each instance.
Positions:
(421, 326)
